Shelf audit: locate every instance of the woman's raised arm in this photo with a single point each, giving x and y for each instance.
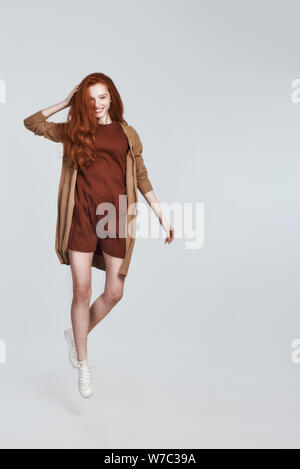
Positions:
(38, 124)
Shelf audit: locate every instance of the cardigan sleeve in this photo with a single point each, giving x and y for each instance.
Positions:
(143, 182)
(38, 124)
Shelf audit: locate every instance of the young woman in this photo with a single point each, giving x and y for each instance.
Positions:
(102, 168)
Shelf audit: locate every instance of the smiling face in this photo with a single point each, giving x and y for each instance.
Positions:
(100, 101)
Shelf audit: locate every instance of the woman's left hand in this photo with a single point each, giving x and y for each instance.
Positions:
(170, 236)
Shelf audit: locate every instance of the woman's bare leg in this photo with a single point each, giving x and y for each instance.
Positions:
(81, 263)
(113, 291)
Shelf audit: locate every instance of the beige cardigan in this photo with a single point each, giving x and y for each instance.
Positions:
(136, 178)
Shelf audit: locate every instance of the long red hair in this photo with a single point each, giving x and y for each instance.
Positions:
(80, 128)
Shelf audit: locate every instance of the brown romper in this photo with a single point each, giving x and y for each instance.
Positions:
(102, 181)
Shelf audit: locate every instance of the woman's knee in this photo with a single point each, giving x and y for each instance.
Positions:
(113, 295)
(82, 293)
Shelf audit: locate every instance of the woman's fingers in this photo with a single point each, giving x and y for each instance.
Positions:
(170, 236)
(74, 90)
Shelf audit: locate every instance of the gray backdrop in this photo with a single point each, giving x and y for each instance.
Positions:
(198, 351)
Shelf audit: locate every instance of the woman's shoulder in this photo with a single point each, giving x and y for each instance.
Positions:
(132, 131)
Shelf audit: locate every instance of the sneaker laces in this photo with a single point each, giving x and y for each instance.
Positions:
(84, 373)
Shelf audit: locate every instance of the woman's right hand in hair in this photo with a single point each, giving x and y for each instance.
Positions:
(69, 97)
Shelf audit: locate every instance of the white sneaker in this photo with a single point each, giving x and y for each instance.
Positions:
(68, 333)
(85, 384)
